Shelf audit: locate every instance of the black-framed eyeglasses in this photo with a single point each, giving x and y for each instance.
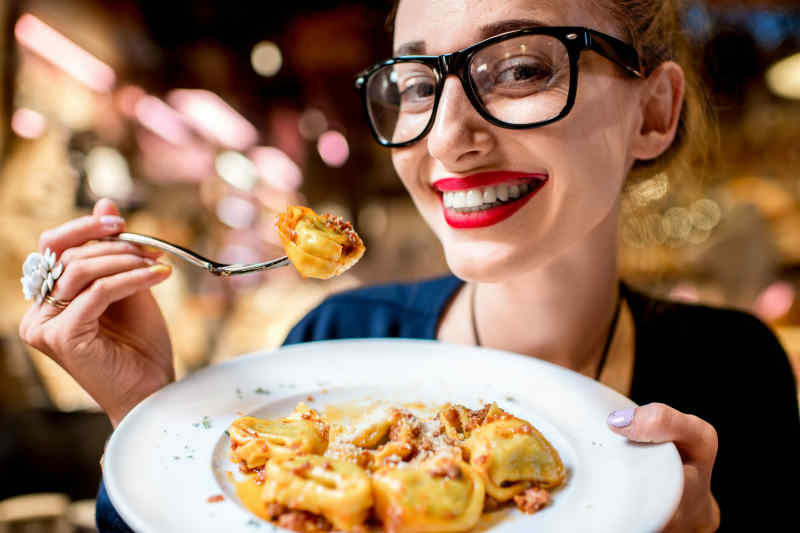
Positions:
(522, 79)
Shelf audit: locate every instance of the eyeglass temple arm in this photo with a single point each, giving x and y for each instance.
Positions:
(617, 51)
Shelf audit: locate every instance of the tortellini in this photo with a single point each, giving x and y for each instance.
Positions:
(440, 495)
(254, 440)
(338, 490)
(319, 246)
(511, 455)
(414, 474)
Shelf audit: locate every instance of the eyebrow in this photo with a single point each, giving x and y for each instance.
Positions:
(486, 31)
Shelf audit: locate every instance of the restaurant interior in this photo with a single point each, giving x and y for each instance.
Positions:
(204, 119)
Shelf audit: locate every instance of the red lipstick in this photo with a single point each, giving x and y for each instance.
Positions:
(492, 215)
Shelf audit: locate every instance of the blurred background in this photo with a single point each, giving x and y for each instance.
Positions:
(203, 119)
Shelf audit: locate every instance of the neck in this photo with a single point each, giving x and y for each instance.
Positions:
(568, 304)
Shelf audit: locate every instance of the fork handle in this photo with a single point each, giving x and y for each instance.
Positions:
(218, 269)
(180, 251)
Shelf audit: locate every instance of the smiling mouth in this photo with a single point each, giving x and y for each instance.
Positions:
(488, 197)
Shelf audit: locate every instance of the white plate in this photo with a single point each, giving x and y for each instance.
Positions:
(168, 456)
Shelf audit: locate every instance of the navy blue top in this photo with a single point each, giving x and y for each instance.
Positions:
(722, 365)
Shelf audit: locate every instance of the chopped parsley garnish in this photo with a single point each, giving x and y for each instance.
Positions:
(205, 423)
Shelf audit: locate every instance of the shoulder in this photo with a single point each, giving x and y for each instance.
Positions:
(700, 322)
(691, 355)
(670, 323)
(391, 310)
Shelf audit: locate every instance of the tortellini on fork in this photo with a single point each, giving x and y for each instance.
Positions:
(319, 246)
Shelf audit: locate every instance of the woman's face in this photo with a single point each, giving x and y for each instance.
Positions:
(575, 166)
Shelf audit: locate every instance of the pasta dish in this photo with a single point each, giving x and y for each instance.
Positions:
(408, 473)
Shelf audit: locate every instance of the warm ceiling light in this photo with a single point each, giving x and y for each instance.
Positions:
(63, 53)
(783, 78)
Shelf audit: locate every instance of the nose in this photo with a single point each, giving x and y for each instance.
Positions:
(460, 136)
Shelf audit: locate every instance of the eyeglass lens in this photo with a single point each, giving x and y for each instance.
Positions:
(523, 80)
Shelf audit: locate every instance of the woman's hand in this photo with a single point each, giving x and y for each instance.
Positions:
(111, 337)
(696, 441)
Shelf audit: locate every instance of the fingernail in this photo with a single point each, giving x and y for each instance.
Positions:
(111, 221)
(160, 268)
(621, 419)
(148, 261)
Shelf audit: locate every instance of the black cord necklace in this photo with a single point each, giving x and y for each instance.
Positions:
(606, 348)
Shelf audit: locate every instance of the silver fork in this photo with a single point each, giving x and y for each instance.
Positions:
(218, 269)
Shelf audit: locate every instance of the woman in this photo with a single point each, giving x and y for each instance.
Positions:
(514, 150)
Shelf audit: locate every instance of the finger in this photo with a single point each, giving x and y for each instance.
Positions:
(89, 305)
(695, 438)
(80, 274)
(102, 248)
(79, 231)
(104, 206)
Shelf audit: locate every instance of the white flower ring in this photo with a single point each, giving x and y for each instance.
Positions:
(39, 274)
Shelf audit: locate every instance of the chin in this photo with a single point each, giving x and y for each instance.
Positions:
(490, 262)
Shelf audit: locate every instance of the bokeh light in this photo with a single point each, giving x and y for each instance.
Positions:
(108, 173)
(650, 190)
(775, 301)
(705, 214)
(161, 119)
(236, 169)
(63, 53)
(312, 124)
(266, 58)
(28, 123)
(783, 78)
(333, 148)
(276, 168)
(236, 212)
(214, 118)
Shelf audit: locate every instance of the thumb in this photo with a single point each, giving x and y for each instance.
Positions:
(695, 438)
(104, 206)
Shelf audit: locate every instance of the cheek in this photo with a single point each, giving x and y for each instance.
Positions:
(594, 151)
(409, 163)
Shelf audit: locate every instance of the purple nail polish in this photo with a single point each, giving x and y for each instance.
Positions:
(111, 221)
(621, 418)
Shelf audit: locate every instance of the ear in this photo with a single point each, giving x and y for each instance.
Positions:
(661, 103)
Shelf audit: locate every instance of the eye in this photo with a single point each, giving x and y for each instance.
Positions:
(522, 72)
(415, 88)
(416, 91)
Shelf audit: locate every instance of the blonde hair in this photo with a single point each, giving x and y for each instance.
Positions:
(654, 28)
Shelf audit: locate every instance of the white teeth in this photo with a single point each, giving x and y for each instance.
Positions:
(474, 198)
(447, 199)
(502, 193)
